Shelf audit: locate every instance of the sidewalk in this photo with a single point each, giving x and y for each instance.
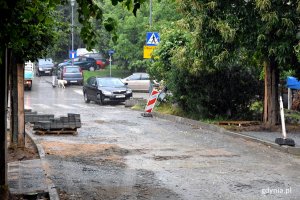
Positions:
(29, 177)
(271, 136)
(266, 138)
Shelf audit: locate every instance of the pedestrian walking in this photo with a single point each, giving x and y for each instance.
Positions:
(54, 76)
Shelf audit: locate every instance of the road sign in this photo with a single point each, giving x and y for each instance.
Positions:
(110, 52)
(148, 51)
(152, 39)
(72, 54)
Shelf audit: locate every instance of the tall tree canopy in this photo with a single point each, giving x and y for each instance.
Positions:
(253, 32)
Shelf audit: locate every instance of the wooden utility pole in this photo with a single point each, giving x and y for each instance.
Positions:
(21, 118)
(14, 102)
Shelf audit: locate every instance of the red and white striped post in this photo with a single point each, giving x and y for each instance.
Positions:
(151, 103)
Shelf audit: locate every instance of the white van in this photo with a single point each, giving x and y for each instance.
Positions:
(82, 51)
(28, 74)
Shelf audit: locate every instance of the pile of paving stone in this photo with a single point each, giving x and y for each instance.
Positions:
(48, 122)
(33, 117)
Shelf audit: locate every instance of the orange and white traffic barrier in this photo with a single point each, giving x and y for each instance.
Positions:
(151, 101)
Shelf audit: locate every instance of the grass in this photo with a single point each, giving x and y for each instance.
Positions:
(119, 73)
(167, 108)
(171, 109)
(292, 114)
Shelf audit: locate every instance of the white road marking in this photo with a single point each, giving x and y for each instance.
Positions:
(109, 107)
(41, 105)
(63, 106)
(78, 91)
(80, 105)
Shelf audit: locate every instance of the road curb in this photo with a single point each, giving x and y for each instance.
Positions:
(286, 149)
(51, 187)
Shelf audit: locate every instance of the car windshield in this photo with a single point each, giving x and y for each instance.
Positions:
(110, 82)
(72, 70)
(45, 61)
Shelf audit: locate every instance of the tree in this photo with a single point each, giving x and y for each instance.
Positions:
(131, 30)
(260, 31)
(225, 91)
(27, 29)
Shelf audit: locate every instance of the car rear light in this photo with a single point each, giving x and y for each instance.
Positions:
(64, 71)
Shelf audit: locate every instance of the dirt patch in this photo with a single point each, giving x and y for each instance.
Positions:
(69, 149)
(29, 152)
(98, 154)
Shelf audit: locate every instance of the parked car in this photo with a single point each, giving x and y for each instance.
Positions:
(28, 74)
(138, 81)
(72, 74)
(105, 89)
(85, 63)
(44, 66)
(100, 60)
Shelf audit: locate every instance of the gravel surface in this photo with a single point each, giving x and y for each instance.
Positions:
(118, 154)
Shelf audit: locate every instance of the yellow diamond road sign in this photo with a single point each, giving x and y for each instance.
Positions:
(148, 51)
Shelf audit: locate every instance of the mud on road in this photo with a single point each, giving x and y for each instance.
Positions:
(99, 171)
(118, 154)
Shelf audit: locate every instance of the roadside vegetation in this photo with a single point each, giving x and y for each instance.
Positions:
(214, 65)
(115, 72)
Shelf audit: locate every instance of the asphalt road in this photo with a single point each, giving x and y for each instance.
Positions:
(118, 154)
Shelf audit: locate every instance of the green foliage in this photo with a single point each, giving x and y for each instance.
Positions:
(28, 29)
(206, 88)
(139, 65)
(220, 42)
(131, 31)
(256, 109)
(115, 72)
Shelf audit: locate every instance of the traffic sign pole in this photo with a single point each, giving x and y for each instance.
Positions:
(110, 52)
(110, 65)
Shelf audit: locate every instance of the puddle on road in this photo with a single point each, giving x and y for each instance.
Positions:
(213, 153)
(120, 122)
(182, 157)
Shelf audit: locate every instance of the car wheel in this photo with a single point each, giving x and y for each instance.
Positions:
(92, 69)
(99, 99)
(86, 99)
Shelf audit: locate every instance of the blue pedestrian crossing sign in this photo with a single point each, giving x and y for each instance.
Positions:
(72, 54)
(152, 39)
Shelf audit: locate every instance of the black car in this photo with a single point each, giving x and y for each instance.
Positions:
(84, 63)
(44, 66)
(105, 89)
(100, 60)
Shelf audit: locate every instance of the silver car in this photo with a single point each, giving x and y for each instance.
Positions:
(138, 82)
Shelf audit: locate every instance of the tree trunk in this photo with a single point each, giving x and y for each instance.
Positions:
(14, 101)
(271, 93)
(21, 118)
(3, 131)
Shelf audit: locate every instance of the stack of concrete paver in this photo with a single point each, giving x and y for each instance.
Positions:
(72, 121)
(33, 117)
(48, 122)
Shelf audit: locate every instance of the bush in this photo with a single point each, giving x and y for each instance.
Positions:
(226, 92)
